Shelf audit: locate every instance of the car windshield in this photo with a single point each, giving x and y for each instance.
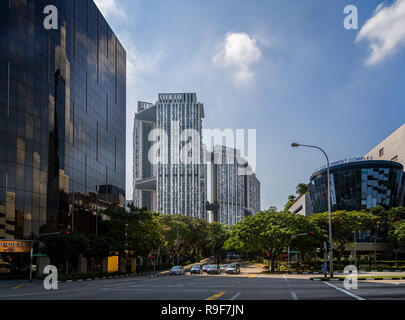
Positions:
(213, 266)
(230, 266)
(174, 268)
(196, 267)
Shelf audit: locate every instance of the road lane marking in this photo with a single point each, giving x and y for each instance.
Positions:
(235, 296)
(293, 295)
(216, 296)
(290, 291)
(344, 291)
(17, 287)
(254, 276)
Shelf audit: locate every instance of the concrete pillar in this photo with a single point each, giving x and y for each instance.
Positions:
(105, 265)
(42, 262)
(82, 264)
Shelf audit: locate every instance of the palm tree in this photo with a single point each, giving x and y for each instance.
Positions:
(302, 189)
(291, 198)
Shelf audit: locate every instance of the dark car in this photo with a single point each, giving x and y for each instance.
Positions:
(213, 269)
(196, 270)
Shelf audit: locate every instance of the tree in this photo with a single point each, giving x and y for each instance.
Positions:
(115, 227)
(396, 236)
(217, 235)
(290, 203)
(344, 224)
(143, 232)
(99, 248)
(175, 232)
(396, 214)
(64, 248)
(272, 209)
(267, 232)
(301, 189)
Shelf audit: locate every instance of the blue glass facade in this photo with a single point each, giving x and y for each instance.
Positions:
(359, 186)
(62, 118)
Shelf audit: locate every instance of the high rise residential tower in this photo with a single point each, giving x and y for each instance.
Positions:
(163, 180)
(235, 190)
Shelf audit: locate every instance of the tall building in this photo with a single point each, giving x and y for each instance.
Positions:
(234, 194)
(253, 192)
(162, 180)
(359, 185)
(392, 148)
(62, 118)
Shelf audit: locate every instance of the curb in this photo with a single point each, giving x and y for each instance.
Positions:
(143, 274)
(361, 279)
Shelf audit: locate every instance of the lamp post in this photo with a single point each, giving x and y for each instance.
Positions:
(296, 145)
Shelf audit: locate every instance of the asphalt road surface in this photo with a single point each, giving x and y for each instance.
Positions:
(196, 287)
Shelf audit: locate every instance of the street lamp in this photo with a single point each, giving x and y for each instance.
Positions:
(296, 145)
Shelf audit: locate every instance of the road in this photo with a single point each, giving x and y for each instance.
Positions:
(196, 287)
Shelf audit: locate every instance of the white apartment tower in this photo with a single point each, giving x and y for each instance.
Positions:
(235, 190)
(165, 182)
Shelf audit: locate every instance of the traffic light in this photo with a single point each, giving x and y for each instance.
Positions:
(153, 256)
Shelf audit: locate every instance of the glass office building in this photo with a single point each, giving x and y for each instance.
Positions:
(359, 186)
(62, 118)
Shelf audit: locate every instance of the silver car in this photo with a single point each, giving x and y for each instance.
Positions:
(177, 270)
(205, 267)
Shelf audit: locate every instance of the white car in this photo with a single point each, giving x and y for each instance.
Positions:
(177, 270)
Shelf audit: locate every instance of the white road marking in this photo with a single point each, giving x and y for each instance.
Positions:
(344, 291)
(235, 296)
(291, 292)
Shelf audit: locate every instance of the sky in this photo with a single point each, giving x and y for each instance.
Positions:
(286, 68)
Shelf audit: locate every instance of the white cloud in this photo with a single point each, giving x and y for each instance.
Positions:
(109, 8)
(238, 53)
(385, 31)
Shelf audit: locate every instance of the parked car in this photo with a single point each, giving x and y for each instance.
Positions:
(204, 268)
(177, 270)
(223, 267)
(196, 270)
(213, 269)
(233, 268)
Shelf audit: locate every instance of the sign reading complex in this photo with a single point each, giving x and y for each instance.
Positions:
(345, 161)
(14, 246)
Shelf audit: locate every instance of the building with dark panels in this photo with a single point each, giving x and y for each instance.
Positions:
(62, 118)
(359, 186)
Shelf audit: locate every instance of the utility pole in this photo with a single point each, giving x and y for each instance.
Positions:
(325, 257)
(296, 145)
(177, 242)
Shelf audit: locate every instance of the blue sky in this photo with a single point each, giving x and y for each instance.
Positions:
(288, 69)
